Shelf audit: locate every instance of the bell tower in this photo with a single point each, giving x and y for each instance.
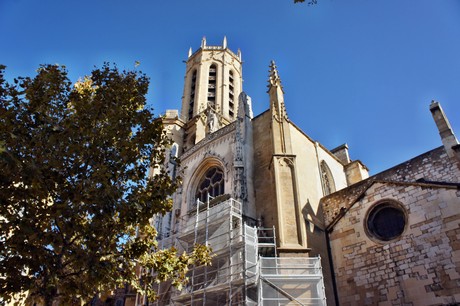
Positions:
(213, 83)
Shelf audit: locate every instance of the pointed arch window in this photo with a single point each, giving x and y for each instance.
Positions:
(191, 104)
(211, 183)
(212, 82)
(231, 103)
(327, 179)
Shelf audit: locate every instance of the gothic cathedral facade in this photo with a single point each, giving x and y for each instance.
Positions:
(305, 200)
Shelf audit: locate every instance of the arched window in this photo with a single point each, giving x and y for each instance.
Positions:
(327, 179)
(231, 103)
(192, 96)
(211, 183)
(212, 85)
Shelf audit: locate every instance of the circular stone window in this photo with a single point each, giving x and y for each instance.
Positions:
(386, 220)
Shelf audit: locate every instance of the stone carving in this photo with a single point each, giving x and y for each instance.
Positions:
(220, 158)
(238, 143)
(239, 179)
(240, 189)
(212, 137)
(213, 121)
(285, 160)
(239, 135)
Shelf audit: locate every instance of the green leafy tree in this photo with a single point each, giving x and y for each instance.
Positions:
(74, 195)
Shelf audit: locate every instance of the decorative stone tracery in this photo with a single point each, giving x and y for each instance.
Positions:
(239, 177)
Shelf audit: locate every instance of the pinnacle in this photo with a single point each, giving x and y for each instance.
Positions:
(274, 78)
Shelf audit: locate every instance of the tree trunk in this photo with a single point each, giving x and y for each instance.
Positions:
(49, 300)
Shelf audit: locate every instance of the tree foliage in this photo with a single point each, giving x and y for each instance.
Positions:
(311, 2)
(74, 195)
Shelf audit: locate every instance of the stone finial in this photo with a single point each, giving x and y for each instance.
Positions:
(448, 138)
(224, 43)
(190, 52)
(203, 42)
(239, 54)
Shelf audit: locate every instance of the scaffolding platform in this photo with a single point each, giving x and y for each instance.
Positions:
(244, 270)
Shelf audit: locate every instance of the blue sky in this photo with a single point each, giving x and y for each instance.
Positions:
(356, 71)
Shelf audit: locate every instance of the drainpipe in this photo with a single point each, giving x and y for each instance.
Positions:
(331, 265)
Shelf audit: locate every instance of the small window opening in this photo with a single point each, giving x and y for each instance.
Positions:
(231, 105)
(212, 85)
(192, 96)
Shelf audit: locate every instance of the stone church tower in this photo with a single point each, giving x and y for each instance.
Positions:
(213, 83)
(212, 135)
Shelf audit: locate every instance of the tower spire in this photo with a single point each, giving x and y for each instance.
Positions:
(224, 43)
(276, 92)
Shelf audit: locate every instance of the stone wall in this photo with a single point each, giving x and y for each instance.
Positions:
(433, 166)
(262, 176)
(421, 267)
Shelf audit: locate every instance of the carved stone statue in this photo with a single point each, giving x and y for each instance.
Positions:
(213, 123)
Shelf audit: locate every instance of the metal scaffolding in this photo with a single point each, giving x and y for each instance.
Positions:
(291, 281)
(238, 275)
